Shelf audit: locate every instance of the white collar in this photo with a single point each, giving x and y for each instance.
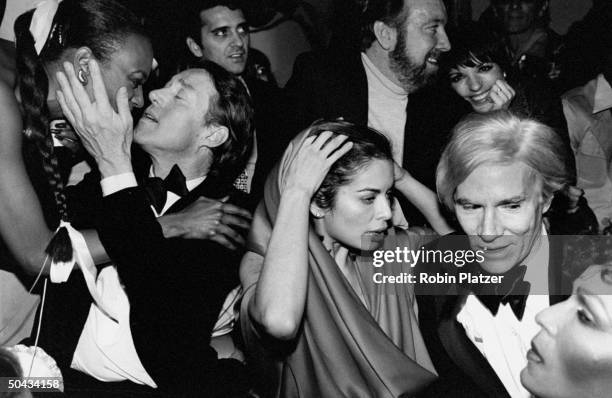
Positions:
(603, 95)
(373, 71)
(191, 184)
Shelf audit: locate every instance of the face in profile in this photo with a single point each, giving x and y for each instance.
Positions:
(224, 38)
(129, 66)
(362, 208)
(176, 115)
(474, 84)
(500, 207)
(421, 39)
(518, 16)
(572, 355)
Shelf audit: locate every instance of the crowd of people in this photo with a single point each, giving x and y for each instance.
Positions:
(213, 236)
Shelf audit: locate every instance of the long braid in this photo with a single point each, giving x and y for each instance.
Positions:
(33, 87)
(99, 25)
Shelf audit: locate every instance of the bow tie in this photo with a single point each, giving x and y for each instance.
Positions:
(157, 189)
(513, 290)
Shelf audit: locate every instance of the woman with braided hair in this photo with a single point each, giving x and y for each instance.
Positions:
(71, 31)
(38, 149)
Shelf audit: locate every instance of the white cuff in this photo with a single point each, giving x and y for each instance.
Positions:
(117, 182)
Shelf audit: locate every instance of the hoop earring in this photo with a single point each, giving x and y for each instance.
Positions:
(82, 77)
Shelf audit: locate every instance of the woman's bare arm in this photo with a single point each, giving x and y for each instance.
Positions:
(422, 198)
(22, 223)
(280, 295)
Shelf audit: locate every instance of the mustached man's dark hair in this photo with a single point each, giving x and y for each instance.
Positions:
(193, 8)
(391, 12)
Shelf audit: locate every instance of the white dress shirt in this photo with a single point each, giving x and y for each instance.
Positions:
(503, 339)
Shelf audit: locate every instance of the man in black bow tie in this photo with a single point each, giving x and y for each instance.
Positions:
(498, 176)
(197, 134)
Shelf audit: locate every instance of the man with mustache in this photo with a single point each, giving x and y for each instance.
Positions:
(401, 44)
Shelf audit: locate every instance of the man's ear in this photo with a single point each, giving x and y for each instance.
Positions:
(214, 136)
(386, 35)
(194, 47)
(316, 211)
(546, 202)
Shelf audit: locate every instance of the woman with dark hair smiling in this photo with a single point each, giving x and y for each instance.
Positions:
(572, 354)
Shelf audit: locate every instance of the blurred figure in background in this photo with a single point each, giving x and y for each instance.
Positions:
(532, 48)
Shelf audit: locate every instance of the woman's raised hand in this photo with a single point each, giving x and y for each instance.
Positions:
(105, 133)
(314, 159)
(501, 94)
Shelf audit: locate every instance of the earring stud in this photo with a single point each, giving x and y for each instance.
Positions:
(82, 77)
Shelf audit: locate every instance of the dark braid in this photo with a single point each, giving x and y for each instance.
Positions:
(33, 87)
(100, 25)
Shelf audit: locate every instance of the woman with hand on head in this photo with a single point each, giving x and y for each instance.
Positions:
(572, 354)
(310, 302)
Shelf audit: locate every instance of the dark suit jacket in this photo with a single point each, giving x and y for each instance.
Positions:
(176, 288)
(463, 371)
(334, 84)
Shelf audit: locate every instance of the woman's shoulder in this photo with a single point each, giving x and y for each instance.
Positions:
(413, 238)
(10, 114)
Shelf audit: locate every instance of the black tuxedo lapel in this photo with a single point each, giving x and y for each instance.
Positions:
(210, 188)
(463, 352)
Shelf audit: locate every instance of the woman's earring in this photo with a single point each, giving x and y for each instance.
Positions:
(82, 77)
(505, 75)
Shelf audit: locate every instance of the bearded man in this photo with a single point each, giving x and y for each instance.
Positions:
(401, 45)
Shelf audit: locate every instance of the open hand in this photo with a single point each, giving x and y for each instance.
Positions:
(314, 159)
(105, 133)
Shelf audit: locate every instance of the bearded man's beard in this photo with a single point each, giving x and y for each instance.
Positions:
(411, 75)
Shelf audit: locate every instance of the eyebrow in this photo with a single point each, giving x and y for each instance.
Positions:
(225, 27)
(585, 296)
(512, 200)
(374, 190)
(437, 21)
(143, 75)
(186, 85)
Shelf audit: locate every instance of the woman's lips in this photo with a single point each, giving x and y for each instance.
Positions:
(533, 355)
(480, 98)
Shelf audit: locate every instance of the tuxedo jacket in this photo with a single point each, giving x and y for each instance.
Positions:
(463, 370)
(333, 84)
(176, 288)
